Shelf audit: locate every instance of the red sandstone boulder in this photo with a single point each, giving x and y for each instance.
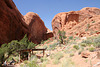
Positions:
(85, 22)
(12, 26)
(85, 54)
(38, 31)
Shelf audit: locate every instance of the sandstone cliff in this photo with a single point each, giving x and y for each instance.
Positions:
(85, 22)
(12, 26)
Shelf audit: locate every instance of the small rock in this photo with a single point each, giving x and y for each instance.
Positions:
(85, 54)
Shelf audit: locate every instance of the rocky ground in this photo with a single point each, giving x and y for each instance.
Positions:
(67, 55)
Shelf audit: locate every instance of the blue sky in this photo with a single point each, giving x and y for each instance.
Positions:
(47, 9)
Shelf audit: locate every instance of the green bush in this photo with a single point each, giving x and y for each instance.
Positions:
(55, 61)
(87, 41)
(76, 47)
(12, 48)
(52, 46)
(44, 59)
(93, 22)
(71, 37)
(83, 44)
(91, 49)
(72, 54)
(58, 55)
(96, 42)
(80, 51)
(61, 36)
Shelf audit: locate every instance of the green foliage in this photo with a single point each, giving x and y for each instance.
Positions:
(29, 64)
(55, 61)
(68, 63)
(76, 47)
(52, 46)
(96, 42)
(80, 51)
(58, 55)
(83, 44)
(91, 49)
(88, 42)
(87, 27)
(31, 45)
(61, 36)
(93, 22)
(71, 37)
(44, 59)
(13, 46)
(72, 54)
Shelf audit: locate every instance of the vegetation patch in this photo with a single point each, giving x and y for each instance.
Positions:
(76, 47)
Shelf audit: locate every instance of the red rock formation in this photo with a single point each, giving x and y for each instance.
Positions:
(85, 22)
(38, 31)
(12, 26)
(48, 35)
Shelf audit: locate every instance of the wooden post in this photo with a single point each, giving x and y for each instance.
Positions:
(43, 52)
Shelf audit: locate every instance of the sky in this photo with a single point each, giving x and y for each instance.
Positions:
(47, 9)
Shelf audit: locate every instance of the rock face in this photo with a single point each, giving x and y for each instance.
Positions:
(85, 22)
(12, 26)
(38, 31)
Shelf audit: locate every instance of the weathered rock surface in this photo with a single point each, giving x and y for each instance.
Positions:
(85, 22)
(85, 54)
(12, 26)
(38, 31)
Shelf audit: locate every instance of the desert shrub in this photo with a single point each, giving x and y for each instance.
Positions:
(33, 64)
(55, 61)
(96, 42)
(83, 44)
(33, 57)
(61, 37)
(71, 37)
(45, 46)
(57, 57)
(86, 60)
(93, 22)
(67, 63)
(87, 41)
(67, 50)
(76, 47)
(52, 46)
(43, 64)
(91, 49)
(26, 62)
(72, 54)
(44, 59)
(80, 51)
(52, 56)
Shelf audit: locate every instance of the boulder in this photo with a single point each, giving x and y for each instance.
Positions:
(38, 31)
(12, 25)
(83, 23)
(85, 54)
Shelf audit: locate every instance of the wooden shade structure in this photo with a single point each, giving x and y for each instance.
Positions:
(30, 50)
